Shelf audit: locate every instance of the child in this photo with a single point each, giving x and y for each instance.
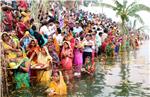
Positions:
(89, 67)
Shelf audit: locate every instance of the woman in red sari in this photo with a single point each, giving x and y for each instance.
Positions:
(20, 28)
(32, 51)
(22, 4)
(8, 20)
(71, 39)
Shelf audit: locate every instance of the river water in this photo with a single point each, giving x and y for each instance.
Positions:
(126, 75)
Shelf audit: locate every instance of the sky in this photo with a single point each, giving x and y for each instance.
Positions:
(110, 13)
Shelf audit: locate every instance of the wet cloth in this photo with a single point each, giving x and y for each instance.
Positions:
(117, 49)
(56, 44)
(109, 49)
(22, 78)
(21, 28)
(60, 88)
(7, 20)
(78, 61)
(11, 54)
(31, 51)
(44, 76)
(87, 49)
(66, 61)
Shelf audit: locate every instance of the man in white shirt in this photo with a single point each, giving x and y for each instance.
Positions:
(77, 29)
(58, 37)
(98, 42)
(44, 29)
(88, 47)
(104, 35)
(52, 28)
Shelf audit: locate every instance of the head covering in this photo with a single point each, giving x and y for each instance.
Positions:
(78, 39)
(67, 43)
(26, 33)
(23, 13)
(47, 52)
(6, 34)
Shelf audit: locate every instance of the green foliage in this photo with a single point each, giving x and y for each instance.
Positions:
(133, 27)
(137, 8)
(134, 24)
(138, 18)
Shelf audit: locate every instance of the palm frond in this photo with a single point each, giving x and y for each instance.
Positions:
(124, 3)
(107, 5)
(134, 24)
(118, 3)
(138, 8)
(129, 6)
(142, 28)
(138, 17)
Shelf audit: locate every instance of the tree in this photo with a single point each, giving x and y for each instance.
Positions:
(125, 11)
(134, 28)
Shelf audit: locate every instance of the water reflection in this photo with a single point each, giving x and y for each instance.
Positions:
(126, 75)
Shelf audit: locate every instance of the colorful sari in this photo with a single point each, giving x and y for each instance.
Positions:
(117, 47)
(67, 61)
(8, 21)
(103, 47)
(56, 44)
(21, 28)
(78, 55)
(31, 51)
(110, 49)
(136, 43)
(11, 54)
(21, 77)
(60, 88)
(72, 41)
(22, 4)
(43, 76)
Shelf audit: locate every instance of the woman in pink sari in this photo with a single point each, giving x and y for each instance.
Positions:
(66, 61)
(78, 54)
(66, 56)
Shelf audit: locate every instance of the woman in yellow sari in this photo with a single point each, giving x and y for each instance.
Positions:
(44, 62)
(57, 85)
(26, 18)
(56, 44)
(9, 46)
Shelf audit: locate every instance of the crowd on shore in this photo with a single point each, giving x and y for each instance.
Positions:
(61, 48)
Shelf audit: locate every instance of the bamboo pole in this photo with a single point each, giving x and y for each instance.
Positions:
(1, 85)
(4, 81)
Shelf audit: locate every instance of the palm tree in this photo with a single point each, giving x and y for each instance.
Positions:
(125, 11)
(133, 27)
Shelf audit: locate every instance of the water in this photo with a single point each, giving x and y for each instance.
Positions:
(126, 75)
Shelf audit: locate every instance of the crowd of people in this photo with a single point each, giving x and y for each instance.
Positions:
(61, 48)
